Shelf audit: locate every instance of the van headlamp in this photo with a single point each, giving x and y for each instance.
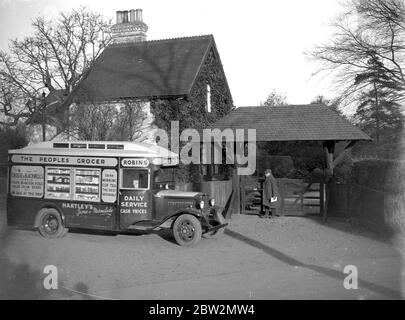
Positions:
(200, 204)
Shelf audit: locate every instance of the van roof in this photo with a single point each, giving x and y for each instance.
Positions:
(97, 148)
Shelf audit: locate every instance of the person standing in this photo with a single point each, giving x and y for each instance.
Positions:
(271, 197)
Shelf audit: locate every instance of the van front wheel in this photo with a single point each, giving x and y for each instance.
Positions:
(187, 230)
(50, 223)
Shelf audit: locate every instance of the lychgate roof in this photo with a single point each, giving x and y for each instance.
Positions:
(292, 122)
(158, 68)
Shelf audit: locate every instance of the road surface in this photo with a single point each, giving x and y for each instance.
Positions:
(280, 258)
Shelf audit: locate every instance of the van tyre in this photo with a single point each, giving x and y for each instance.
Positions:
(50, 224)
(187, 230)
(64, 232)
(219, 218)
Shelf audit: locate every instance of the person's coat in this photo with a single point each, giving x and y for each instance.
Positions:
(270, 190)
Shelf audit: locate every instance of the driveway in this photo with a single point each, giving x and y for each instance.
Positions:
(280, 258)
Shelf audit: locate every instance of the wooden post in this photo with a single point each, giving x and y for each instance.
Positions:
(261, 182)
(331, 163)
(344, 152)
(282, 196)
(242, 196)
(325, 209)
(321, 198)
(329, 147)
(302, 200)
(236, 190)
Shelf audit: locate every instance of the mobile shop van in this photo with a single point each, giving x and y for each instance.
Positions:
(111, 186)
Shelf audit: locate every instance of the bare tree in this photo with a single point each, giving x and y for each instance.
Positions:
(367, 29)
(274, 99)
(54, 57)
(130, 122)
(91, 121)
(95, 121)
(334, 104)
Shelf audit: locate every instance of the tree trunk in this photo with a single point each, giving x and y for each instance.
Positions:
(377, 115)
(43, 126)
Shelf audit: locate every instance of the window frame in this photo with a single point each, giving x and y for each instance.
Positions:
(74, 193)
(46, 191)
(208, 105)
(121, 187)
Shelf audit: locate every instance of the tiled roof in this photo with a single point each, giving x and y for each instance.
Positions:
(158, 68)
(292, 122)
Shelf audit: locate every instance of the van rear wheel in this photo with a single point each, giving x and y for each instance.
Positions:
(50, 223)
(187, 230)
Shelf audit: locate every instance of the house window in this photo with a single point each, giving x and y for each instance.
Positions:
(208, 105)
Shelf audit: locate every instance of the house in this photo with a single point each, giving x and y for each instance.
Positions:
(171, 79)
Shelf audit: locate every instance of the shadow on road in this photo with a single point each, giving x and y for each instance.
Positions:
(338, 275)
(22, 281)
(343, 224)
(351, 226)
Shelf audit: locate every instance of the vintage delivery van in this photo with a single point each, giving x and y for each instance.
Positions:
(111, 186)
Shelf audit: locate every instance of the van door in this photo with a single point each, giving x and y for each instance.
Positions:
(135, 196)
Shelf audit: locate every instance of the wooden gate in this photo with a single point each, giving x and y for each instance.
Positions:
(301, 198)
(297, 197)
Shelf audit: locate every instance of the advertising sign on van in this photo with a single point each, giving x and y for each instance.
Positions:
(109, 185)
(27, 181)
(64, 160)
(135, 162)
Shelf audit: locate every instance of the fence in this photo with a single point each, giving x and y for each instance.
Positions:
(219, 190)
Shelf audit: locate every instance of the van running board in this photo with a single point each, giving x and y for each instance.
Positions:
(149, 227)
(217, 227)
(144, 228)
(161, 226)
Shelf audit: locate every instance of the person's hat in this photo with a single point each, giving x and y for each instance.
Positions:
(267, 171)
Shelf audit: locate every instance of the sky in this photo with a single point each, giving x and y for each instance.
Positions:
(261, 42)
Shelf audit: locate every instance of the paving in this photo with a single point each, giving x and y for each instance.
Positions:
(279, 258)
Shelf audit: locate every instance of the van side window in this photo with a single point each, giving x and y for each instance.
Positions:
(134, 178)
(87, 184)
(57, 183)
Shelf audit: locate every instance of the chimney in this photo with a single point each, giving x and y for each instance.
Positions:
(129, 28)
(138, 15)
(119, 17)
(132, 15)
(125, 16)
